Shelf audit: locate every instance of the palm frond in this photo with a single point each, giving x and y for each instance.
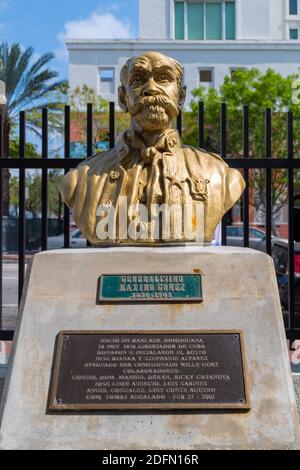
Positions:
(34, 129)
(42, 98)
(28, 83)
(43, 60)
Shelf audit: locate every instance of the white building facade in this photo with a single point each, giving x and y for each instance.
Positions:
(210, 38)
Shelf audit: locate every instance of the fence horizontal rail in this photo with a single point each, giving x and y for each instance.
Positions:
(6, 335)
(292, 334)
(64, 163)
(291, 163)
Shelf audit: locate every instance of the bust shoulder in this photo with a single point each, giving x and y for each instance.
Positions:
(212, 164)
(100, 162)
(205, 156)
(97, 164)
(206, 163)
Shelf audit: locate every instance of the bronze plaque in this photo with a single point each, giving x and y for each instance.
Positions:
(97, 370)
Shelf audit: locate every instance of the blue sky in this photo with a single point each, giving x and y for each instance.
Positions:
(45, 24)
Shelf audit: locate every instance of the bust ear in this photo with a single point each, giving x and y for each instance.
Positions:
(182, 96)
(122, 98)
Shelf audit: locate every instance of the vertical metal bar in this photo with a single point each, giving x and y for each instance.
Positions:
(223, 130)
(89, 130)
(67, 155)
(246, 175)
(268, 141)
(224, 154)
(44, 231)
(179, 123)
(291, 253)
(89, 136)
(1, 131)
(224, 229)
(59, 206)
(1, 219)
(22, 182)
(201, 124)
(111, 125)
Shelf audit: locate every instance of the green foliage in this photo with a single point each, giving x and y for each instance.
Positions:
(31, 150)
(78, 99)
(258, 90)
(33, 192)
(54, 200)
(30, 84)
(14, 191)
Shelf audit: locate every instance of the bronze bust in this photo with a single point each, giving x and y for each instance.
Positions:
(150, 187)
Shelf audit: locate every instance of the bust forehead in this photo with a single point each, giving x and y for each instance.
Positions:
(150, 61)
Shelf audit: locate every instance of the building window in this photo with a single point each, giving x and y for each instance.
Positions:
(206, 77)
(107, 81)
(293, 7)
(293, 33)
(179, 20)
(214, 20)
(195, 12)
(203, 19)
(230, 20)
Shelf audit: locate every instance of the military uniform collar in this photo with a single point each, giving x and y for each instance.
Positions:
(168, 141)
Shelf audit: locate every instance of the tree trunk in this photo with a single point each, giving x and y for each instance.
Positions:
(5, 172)
(275, 231)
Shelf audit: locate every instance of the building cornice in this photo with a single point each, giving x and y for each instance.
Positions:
(137, 44)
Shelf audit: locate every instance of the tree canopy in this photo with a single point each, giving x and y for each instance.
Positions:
(259, 90)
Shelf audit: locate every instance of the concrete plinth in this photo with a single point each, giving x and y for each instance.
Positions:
(239, 291)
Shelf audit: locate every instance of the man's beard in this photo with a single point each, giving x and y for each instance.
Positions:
(154, 112)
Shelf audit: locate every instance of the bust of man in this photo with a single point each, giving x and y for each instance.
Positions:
(151, 188)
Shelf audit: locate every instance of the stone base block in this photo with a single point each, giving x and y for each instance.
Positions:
(240, 293)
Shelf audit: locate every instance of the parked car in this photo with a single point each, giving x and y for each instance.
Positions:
(77, 240)
(235, 237)
(280, 257)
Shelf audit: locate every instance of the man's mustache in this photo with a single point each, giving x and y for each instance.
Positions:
(159, 100)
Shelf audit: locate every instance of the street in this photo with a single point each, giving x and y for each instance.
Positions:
(10, 295)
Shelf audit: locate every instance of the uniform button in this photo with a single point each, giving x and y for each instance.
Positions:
(107, 203)
(115, 174)
(171, 143)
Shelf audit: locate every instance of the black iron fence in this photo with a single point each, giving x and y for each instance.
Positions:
(290, 164)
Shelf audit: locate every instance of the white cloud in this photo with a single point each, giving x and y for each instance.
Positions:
(112, 7)
(96, 26)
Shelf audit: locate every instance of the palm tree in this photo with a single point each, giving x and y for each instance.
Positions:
(30, 84)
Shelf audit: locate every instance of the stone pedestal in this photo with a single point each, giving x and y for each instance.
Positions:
(240, 293)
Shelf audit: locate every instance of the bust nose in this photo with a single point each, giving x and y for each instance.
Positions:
(150, 88)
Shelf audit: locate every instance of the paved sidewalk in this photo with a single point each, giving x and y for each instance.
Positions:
(2, 377)
(296, 379)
